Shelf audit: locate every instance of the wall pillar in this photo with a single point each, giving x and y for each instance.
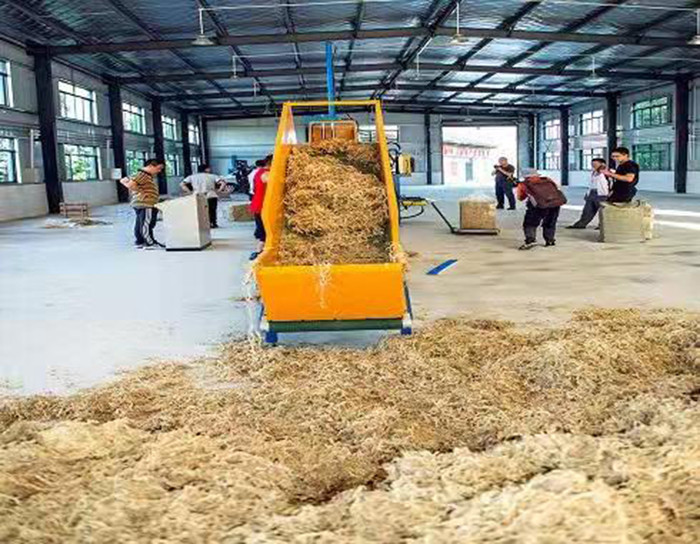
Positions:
(682, 128)
(531, 138)
(159, 142)
(118, 149)
(611, 121)
(204, 143)
(46, 105)
(428, 151)
(564, 148)
(185, 138)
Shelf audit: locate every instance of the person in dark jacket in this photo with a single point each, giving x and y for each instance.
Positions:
(505, 176)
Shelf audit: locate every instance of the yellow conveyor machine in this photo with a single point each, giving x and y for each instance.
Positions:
(328, 297)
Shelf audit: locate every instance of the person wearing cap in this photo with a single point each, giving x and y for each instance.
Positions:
(544, 201)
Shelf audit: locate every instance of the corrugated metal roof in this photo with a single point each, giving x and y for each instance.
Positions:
(64, 22)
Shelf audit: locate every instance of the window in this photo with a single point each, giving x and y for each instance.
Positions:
(76, 102)
(135, 161)
(173, 166)
(5, 84)
(368, 133)
(82, 162)
(551, 129)
(651, 113)
(550, 160)
(169, 128)
(194, 134)
(8, 160)
(134, 118)
(591, 123)
(194, 163)
(587, 155)
(653, 156)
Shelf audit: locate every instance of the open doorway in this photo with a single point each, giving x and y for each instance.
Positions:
(469, 153)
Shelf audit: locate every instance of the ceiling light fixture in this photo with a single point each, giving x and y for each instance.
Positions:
(594, 78)
(202, 40)
(695, 40)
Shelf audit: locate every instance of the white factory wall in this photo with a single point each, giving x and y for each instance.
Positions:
(251, 139)
(20, 200)
(26, 199)
(629, 137)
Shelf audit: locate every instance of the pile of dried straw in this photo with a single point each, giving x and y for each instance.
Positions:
(335, 205)
(471, 431)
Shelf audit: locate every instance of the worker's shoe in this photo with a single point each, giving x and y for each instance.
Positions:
(511, 208)
(575, 227)
(550, 243)
(527, 245)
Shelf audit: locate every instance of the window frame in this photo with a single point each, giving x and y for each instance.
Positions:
(6, 96)
(173, 165)
(73, 94)
(368, 133)
(551, 160)
(168, 122)
(591, 153)
(658, 160)
(14, 160)
(128, 160)
(551, 126)
(193, 130)
(68, 161)
(649, 109)
(591, 123)
(130, 110)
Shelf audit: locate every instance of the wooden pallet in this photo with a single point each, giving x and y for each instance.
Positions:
(73, 210)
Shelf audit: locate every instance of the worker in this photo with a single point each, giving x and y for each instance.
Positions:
(256, 204)
(625, 177)
(207, 184)
(144, 197)
(505, 181)
(544, 200)
(598, 191)
(251, 176)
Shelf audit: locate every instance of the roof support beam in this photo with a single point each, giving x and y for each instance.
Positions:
(356, 26)
(407, 87)
(380, 67)
(414, 32)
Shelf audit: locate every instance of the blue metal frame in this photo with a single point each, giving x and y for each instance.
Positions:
(330, 79)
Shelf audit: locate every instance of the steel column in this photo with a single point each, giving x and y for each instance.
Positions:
(564, 148)
(118, 149)
(204, 144)
(46, 102)
(159, 143)
(531, 137)
(428, 151)
(185, 138)
(611, 117)
(682, 122)
(330, 79)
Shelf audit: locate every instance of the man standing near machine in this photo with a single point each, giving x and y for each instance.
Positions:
(505, 180)
(208, 184)
(144, 197)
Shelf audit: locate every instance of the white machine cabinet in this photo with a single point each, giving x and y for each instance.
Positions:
(186, 222)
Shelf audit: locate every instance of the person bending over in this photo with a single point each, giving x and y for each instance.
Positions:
(544, 200)
(208, 184)
(598, 191)
(505, 178)
(144, 197)
(625, 177)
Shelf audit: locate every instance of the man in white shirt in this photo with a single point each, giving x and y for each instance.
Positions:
(598, 192)
(208, 184)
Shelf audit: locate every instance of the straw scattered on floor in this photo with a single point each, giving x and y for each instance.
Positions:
(471, 431)
(335, 205)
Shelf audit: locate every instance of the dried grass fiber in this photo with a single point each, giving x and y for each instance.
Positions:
(335, 205)
(471, 431)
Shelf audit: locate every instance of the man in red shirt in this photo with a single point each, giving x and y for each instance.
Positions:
(256, 204)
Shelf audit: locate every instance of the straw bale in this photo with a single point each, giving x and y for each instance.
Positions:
(240, 212)
(470, 431)
(335, 205)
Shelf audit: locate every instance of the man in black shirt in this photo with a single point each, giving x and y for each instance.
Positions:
(625, 177)
(505, 177)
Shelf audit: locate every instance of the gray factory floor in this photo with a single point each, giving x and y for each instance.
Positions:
(77, 305)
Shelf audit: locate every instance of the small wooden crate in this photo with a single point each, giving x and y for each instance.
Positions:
(75, 210)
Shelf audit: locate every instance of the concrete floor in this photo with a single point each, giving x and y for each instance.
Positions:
(79, 305)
